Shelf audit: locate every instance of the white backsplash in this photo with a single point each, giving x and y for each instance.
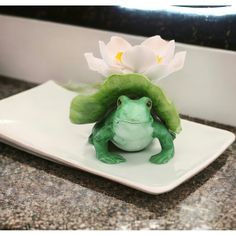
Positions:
(39, 51)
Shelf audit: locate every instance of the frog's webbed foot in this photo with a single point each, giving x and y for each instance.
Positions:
(100, 138)
(162, 157)
(110, 158)
(166, 142)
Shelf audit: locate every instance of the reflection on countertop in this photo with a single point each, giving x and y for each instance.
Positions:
(38, 194)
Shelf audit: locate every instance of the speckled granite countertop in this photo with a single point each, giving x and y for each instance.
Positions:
(39, 194)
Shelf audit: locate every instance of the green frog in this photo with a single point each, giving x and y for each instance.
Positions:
(129, 111)
(131, 127)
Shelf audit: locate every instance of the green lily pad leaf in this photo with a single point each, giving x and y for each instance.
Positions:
(91, 108)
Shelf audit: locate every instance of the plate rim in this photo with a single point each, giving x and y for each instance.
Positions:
(32, 149)
(155, 190)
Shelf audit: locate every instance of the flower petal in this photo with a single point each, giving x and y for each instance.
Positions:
(104, 53)
(167, 52)
(127, 71)
(117, 44)
(138, 59)
(96, 64)
(155, 43)
(114, 70)
(158, 72)
(177, 62)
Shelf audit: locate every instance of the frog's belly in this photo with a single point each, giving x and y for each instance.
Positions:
(132, 137)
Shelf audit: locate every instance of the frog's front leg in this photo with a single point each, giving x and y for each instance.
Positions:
(166, 141)
(101, 137)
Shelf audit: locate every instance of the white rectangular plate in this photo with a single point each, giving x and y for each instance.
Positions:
(37, 121)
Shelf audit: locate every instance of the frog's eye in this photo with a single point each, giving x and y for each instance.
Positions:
(119, 102)
(149, 104)
(122, 99)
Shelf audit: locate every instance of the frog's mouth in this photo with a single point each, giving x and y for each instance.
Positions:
(133, 122)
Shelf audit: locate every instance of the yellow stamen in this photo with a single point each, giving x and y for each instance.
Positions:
(119, 56)
(159, 59)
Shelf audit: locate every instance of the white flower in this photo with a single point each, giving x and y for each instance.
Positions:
(154, 58)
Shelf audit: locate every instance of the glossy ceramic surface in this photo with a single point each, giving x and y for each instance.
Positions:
(37, 122)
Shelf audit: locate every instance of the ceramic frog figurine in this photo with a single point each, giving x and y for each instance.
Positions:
(131, 127)
(130, 111)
